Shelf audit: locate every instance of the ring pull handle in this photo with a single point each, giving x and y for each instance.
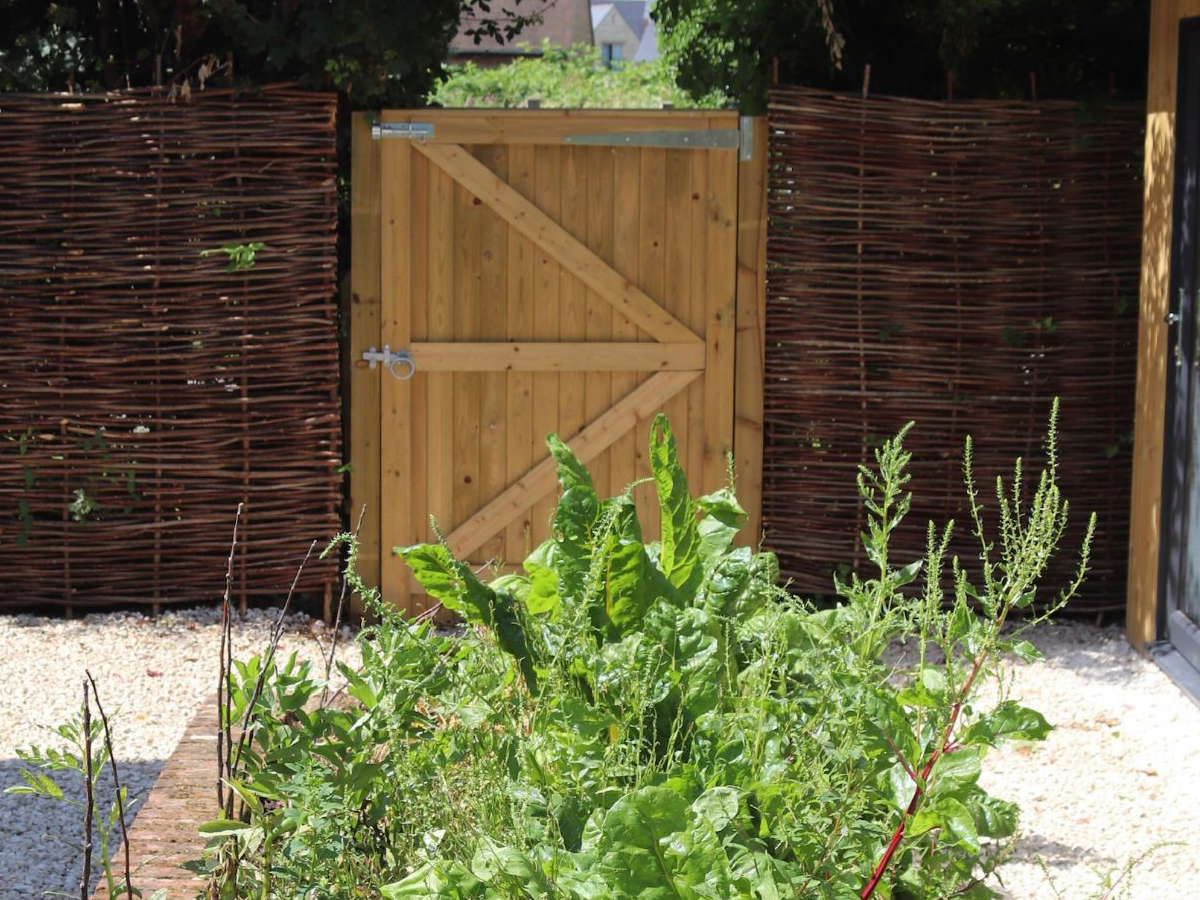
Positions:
(402, 366)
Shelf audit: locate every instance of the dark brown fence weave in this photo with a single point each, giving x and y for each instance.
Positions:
(958, 264)
(147, 390)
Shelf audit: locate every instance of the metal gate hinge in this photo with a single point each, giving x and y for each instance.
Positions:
(415, 131)
(399, 364)
(746, 138)
(694, 139)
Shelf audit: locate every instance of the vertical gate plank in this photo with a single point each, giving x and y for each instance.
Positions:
(396, 296)
(493, 322)
(699, 315)
(419, 484)
(652, 229)
(468, 215)
(598, 386)
(677, 281)
(751, 315)
(518, 449)
(439, 423)
(364, 332)
(573, 298)
(720, 335)
(627, 207)
(544, 313)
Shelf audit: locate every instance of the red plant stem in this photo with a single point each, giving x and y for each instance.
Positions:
(943, 746)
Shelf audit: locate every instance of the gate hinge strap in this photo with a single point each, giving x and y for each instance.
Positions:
(418, 131)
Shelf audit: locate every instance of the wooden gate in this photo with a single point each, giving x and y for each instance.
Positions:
(562, 271)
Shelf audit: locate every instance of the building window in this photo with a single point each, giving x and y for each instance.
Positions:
(612, 53)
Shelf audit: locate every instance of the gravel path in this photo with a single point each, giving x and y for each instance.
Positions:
(1120, 773)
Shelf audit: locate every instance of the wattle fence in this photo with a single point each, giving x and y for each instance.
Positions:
(958, 264)
(168, 345)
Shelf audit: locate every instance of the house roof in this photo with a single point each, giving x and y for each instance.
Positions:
(648, 47)
(562, 23)
(635, 13)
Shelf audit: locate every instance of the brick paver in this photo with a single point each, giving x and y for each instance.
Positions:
(164, 833)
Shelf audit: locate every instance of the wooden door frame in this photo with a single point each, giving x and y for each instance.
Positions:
(367, 391)
(1178, 440)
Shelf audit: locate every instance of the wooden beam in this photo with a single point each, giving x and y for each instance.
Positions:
(591, 441)
(720, 334)
(1143, 624)
(581, 262)
(526, 127)
(363, 318)
(751, 319)
(630, 356)
(396, 521)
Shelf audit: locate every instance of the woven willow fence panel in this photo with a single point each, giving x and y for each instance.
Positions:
(957, 264)
(147, 388)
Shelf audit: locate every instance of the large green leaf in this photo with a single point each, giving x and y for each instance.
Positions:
(993, 818)
(653, 847)
(956, 772)
(571, 472)
(449, 582)
(740, 584)
(496, 865)
(575, 521)
(691, 645)
(1008, 721)
(439, 880)
(630, 580)
(455, 586)
(722, 518)
(680, 556)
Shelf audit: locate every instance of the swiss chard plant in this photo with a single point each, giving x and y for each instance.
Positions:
(658, 719)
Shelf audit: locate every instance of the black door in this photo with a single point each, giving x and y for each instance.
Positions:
(1181, 475)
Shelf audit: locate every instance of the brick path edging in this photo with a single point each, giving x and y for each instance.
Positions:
(164, 834)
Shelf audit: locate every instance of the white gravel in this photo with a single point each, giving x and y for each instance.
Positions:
(1120, 773)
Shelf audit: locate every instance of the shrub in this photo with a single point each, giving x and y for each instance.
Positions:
(653, 720)
(567, 77)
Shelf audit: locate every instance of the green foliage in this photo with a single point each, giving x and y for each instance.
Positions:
(370, 50)
(977, 48)
(240, 256)
(653, 720)
(572, 78)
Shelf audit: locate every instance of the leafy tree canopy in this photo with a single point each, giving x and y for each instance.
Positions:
(568, 78)
(920, 48)
(375, 52)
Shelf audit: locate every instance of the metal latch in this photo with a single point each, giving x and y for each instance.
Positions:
(399, 364)
(415, 131)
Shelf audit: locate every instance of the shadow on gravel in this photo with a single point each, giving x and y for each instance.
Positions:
(41, 840)
(1098, 655)
(1058, 855)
